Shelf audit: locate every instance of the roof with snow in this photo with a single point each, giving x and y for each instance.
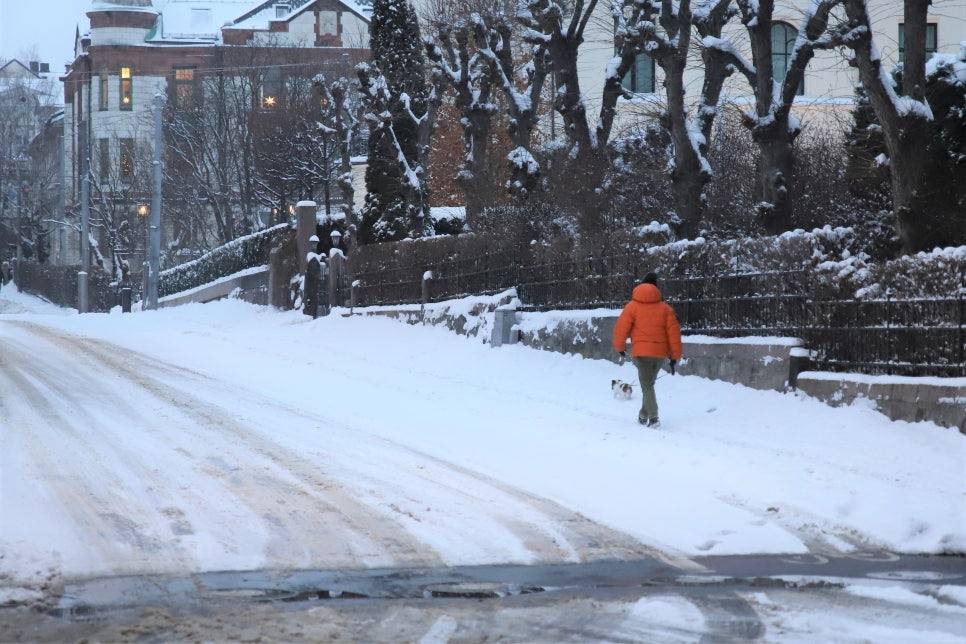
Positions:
(15, 69)
(267, 11)
(196, 20)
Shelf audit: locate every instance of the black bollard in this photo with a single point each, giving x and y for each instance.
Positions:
(126, 299)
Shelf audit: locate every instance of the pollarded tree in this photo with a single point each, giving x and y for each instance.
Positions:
(773, 126)
(920, 118)
(669, 46)
(344, 113)
(521, 82)
(397, 54)
(468, 74)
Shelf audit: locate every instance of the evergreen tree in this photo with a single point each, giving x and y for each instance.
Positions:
(397, 52)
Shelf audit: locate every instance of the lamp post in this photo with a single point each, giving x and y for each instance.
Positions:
(336, 237)
(154, 222)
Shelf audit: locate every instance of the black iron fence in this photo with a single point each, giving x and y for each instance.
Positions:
(892, 336)
(58, 284)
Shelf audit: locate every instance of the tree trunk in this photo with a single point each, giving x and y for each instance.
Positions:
(776, 166)
(905, 133)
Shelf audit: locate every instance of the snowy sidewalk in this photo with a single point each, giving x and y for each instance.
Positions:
(368, 442)
(14, 302)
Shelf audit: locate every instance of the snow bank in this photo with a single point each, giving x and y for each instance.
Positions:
(13, 301)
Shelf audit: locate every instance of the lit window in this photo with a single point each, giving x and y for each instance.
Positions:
(931, 41)
(127, 99)
(184, 87)
(783, 37)
(272, 88)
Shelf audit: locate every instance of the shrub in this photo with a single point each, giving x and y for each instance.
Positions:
(245, 252)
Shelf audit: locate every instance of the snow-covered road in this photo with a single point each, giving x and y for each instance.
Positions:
(227, 436)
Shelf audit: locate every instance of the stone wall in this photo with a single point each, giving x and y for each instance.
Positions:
(761, 363)
(250, 285)
(941, 400)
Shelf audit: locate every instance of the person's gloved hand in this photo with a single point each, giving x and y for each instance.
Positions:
(622, 354)
(673, 362)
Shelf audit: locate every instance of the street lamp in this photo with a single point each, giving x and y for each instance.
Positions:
(144, 210)
(336, 237)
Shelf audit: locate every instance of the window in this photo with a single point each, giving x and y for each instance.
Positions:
(184, 87)
(640, 79)
(104, 160)
(102, 90)
(932, 30)
(281, 10)
(783, 37)
(200, 20)
(272, 89)
(127, 98)
(127, 158)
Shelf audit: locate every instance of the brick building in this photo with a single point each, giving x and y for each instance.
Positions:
(137, 49)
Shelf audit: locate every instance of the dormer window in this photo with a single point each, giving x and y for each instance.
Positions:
(200, 20)
(281, 10)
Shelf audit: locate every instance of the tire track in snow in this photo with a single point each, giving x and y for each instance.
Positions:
(95, 510)
(561, 534)
(323, 515)
(549, 531)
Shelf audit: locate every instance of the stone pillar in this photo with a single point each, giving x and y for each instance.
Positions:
(336, 272)
(504, 319)
(305, 224)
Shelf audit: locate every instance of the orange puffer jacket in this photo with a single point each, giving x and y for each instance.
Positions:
(651, 325)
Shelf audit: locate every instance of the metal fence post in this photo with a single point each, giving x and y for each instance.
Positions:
(424, 295)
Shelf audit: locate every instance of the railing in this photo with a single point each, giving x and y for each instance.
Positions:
(892, 336)
(58, 284)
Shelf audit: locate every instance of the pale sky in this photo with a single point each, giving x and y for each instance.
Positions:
(47, 25)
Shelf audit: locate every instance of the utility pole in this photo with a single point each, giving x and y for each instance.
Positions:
(154, 223)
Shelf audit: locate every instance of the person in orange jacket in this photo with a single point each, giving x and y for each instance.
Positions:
(655, 336)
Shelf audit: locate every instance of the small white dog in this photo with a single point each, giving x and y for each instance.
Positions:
(622, 390)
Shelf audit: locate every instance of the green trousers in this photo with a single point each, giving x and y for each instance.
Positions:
(647, 370)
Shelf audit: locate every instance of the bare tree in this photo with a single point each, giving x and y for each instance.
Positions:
(468, 74)
(772, 125)
(495, 42)
(925, 209)
(689, 135)
(347, 115)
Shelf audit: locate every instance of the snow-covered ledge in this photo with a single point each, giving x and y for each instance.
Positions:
(941, 400)
(757, 362)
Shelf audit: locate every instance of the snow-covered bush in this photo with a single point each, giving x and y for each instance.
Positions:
(239, 254)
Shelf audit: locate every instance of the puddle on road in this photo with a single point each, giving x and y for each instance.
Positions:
(85, 598)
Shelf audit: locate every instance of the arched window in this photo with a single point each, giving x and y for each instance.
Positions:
(783, 37)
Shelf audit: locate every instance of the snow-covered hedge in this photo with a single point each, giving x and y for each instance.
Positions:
(832, 259)
(239, 254)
